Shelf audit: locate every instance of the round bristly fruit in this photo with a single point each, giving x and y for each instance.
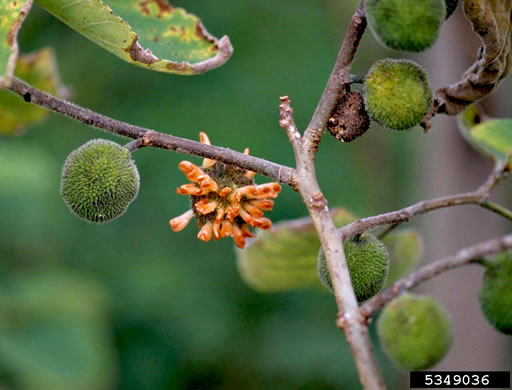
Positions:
(415, 331)
(397, 94)
(411, 25)
(496, 293)
(367, 261)
(349, 119)
(99, 181)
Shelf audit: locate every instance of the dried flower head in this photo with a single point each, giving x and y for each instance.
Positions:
(224, 199)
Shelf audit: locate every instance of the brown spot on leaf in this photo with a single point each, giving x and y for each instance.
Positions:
(156, 39)
(201, 33)
(163, 7)
(179, 66)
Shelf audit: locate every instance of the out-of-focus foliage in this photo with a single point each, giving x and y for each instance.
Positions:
(181, 317)
(55, 332)
(150, 33)
(39, 69)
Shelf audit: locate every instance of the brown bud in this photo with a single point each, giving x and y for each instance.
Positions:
(349, 118)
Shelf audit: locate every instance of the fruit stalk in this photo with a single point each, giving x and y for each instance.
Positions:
(479, 197)
(463, 257)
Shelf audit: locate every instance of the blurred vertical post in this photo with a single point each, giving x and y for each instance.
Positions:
(448, 165)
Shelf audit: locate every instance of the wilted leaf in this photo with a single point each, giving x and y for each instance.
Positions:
(405, 251)
(491, 21)
(12, 15)
(40, 70)
(147, 33)
(286, 257)
(53, 333)
(492, 137)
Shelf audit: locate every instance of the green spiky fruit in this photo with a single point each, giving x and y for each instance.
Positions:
(496, 293)
(397, 94)
(451, 5)
(411, 25)
(367, 261)
(415, 331)
(99, 181)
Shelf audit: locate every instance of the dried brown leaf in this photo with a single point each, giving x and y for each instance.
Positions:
(491, 20)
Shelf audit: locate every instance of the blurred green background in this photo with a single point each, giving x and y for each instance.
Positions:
(132, 305)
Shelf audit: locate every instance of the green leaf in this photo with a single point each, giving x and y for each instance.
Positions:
(12, 15)
(40, 70)
(147, 33)
(54, 334)
(286, 257)
(405, 251)
(492, 137)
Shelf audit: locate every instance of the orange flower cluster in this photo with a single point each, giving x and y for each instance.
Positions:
(224, 199)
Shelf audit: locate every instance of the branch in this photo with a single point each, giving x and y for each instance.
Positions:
(339, 79)
(152, 138)
(349, 318)
(462, 257)
(479, 197)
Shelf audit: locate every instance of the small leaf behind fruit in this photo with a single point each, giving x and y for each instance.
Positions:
(286, 257)
(147, 33)
(40, 70)
(405, 252)
(492, 137)
(12, 15)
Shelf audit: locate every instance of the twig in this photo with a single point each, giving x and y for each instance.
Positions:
(432, 111)
(132, 146)
(387, 230)
(287, 122)
(349, 319)
(479, 197)
(462, 257)
(497, 209)
(275, 171)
